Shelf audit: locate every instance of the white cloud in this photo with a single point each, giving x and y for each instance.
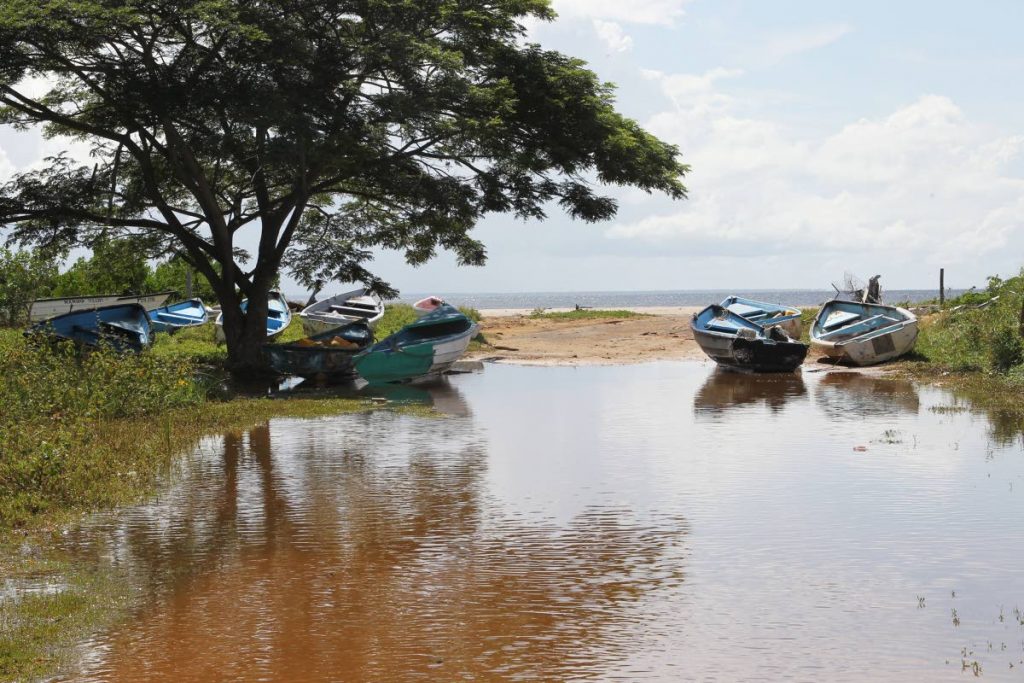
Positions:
(780, 45)
(924, 181)
(612, 35)
(663, 12)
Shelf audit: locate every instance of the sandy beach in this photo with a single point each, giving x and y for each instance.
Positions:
(661, 333)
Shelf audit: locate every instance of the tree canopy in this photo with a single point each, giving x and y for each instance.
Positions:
(331, 127)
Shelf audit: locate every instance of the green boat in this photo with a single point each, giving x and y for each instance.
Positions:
(419, 351)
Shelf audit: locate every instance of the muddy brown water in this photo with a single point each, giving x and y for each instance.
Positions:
(655, 522)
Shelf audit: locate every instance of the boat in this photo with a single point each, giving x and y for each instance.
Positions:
(420, 351)
(766, 314)
(333, 312)
(44, 309)
(176, 316)
(734, 342)
(326, 357)
(427, 305)
(863, 333)
(279, 316)
(122, 327)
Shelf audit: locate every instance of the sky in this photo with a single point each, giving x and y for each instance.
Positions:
(823, 137)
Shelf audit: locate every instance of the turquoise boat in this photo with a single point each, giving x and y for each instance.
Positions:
(419, 351)
(326, 357)
(124, 328)
(173, 317)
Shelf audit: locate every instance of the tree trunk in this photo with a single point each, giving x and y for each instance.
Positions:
(245, 333)
(1021, 328)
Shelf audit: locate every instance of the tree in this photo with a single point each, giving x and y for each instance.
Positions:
(24, 277)
(330, 126)
(116, 266)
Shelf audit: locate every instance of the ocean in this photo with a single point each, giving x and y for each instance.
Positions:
(683, 297)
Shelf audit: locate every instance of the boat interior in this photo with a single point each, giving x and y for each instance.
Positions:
(855, 320)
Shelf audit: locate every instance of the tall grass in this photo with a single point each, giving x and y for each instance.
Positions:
(973, 338)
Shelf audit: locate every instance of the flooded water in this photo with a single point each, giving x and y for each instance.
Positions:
(656, 522)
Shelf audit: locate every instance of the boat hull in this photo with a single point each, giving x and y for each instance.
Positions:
(871, 351)
(325, 364)
(751, 355)
(174, 317)
(44, 309)
(279, 316)
(123, 328)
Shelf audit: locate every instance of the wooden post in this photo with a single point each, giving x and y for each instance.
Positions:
(942, 287)
(188, 282)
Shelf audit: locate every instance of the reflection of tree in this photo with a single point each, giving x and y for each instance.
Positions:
(854, 395)
(724, 390)
(363, 548)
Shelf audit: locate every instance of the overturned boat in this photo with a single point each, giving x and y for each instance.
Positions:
(177, 316)
(734, 342)
(122, 327)
(279, 316)
(326, 357)
(342, 309)
(422, 350)
(766, 314)
(863, 333)
(44, 309)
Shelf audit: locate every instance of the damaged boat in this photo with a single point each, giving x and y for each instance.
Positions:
(326, 358)
(863, 333)
(735, 342)
(122, 327)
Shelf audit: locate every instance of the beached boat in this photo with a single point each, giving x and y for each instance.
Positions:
(44, 309)
(427, 305)
(422, 350)
(766, 314)
(326, 357)
(862, 333)
(342, 309)
(734, 342)
(279, 316)
(173, 317)
(123, 327)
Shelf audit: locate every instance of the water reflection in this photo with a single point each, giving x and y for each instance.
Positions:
(360, 548)
(725, 390)
(855, 396)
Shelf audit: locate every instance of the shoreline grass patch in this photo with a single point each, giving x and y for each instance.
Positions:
(586, 314)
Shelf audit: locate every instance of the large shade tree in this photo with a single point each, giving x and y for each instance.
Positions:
(325, 127)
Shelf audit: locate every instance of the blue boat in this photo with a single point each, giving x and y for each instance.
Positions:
(124, 327)
(173, 317)
(766, 314)
(735, 342)
(279, 316)
(326, 357)
(861, 333)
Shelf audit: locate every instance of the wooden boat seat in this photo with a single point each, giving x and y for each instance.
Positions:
(840, 319)
(352, 312)
(859, 327)
(722, 326)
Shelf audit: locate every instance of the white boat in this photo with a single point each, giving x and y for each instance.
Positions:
(342, 309)
(279, 316)
(863, 334)
(427, 305)
(44, 309)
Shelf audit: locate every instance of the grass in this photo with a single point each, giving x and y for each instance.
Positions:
(585, 314)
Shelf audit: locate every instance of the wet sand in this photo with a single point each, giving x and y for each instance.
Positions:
(660, 334)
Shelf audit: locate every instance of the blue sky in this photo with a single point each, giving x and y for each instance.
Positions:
(875, 137)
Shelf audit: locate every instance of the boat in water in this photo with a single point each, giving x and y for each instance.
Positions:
(44, 309)
(326, 357)
(420, 351)
(176, 316)
(279, 316)
(342, 309)
(122, 327)
(766, 314)
(734, 342)
(863, 333)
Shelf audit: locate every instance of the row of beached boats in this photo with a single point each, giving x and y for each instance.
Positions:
(340, 344)
(758, 336)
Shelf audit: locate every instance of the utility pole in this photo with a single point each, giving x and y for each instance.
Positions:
(188, 282)
(942, 287)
